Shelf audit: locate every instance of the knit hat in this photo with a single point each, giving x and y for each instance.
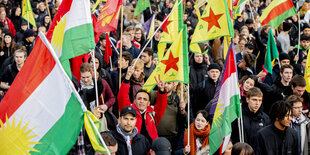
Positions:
(286, 26)
(214, 66)
(28, 33)
(283, 56)
(161, 146)
(8, 34)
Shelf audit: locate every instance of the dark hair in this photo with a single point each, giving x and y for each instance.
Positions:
(304, 37)
(242, 148)
(293, 99)
(250, 46)
(249, 21)
(143, 91)
(254, 92)
(102, 36)
(205, 114)
(279, 110)
(249, 59)
(108, 139)
(286, 66)
(298, 80)
(149, 51)
(245, 77)
(126, 56)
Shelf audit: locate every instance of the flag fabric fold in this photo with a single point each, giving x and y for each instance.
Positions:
(27, 13)
(41, 113)
(214, 22)
(108, 49)
(141, 6)
(276, 12)
(108, 18)
(225, 105)
(71, 33)
(149, 26)
(307, 73)
(272, 52)
(174, 65)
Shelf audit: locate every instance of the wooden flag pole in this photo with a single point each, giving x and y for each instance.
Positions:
(121, 47)
(95, 78)
(48, 10)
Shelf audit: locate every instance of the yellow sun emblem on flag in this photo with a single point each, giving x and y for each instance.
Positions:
(58, 35)
(15, 139)
(218, 113)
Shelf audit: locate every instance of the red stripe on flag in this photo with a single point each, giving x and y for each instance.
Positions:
(277, 11)
(230, 66)
(36, 68)
(62, 10)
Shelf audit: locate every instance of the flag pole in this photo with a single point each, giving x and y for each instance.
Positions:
(188, 114)
(121, 47)
(28, 20)
(48, 10)
(111, 69)
(156, 32)
(95, 74)
(298, 32)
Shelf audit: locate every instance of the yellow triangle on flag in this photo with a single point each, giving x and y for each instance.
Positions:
(27, 13)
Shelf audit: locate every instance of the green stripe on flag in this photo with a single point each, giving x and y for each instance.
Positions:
(278, 20)
(77, 41)
(64, 132)
(217, 133)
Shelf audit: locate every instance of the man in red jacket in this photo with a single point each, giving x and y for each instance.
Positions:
(147, 117)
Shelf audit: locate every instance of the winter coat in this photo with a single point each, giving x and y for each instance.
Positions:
(139, 144)
(107, 95)
(272, 141)
(151, 119)
(252, 122)
(301, 129)
(270, 78)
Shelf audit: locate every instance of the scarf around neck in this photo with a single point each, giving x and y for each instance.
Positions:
(127, 136)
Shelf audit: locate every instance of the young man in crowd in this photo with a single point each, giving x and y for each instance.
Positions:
(149, 66)
(284, 60)
(253, 117)
(110, 142)
(282, 87)
(146, 119)
(10, 72)
(247, 61)
(129, 140)
(300, 123)
(298, 86)
(278, 138)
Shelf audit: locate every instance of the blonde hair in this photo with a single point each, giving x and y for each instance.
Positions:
(139, 64)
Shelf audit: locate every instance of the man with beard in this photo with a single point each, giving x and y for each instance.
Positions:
(147, 58)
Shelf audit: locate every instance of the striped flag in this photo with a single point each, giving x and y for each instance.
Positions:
(71, 33)
(276, 12)
(41, 113)
(225, 105)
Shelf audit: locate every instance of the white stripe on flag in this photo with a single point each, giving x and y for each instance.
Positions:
(79, 14)
(44, 107)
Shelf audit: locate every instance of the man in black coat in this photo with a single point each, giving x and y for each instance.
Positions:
(129, 141)
(278, 138)
(253, 118)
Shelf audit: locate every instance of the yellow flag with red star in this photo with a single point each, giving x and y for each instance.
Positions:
(174, 64)
(214, 22)
(171, 28)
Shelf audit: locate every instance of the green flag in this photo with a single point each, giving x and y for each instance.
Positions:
(141, 6)
(271, 53)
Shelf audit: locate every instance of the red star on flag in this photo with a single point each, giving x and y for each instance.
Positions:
(171, 62)
(165, 25)
(212, 20)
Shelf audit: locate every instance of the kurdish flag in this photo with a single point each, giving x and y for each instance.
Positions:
(214, 22)
(71, 33)
(272, 52)
(227, 104)
(238, 7)
(27, 13)
(141, 6)
(174, 65)
(41, 113)
(171, 28)
(276, 12)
